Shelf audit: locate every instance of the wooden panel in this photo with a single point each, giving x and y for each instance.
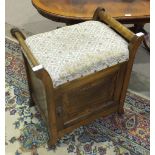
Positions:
(83, 100)
(100, 113)
(91, 111)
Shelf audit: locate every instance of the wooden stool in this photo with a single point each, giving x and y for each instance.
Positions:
(79, 73)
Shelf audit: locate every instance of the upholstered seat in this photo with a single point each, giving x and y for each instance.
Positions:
(73, 51)
(69, 53)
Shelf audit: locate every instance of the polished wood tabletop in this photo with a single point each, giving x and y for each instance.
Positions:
(82, 10)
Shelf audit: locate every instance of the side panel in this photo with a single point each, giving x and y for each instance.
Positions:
(38, 92)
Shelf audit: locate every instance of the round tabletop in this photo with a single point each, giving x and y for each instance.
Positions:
(81, 10)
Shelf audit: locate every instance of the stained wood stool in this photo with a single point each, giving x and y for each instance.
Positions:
(79, 73)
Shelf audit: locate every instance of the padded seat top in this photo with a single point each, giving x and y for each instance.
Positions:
(73, 51)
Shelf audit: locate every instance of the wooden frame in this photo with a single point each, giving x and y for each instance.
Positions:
(83, 100)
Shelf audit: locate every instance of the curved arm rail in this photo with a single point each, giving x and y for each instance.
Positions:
(26, 51)
(101, 15)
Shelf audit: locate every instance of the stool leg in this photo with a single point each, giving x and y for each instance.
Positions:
(52, 143)
(120, 111)
(51, 105)
(32, 103)
(121, 102)
(133, 46)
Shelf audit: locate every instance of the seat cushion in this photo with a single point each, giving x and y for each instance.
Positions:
(73, 51)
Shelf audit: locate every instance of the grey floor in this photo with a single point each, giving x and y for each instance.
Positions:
(21, 14)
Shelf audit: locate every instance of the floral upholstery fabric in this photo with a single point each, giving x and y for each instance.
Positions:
(73, 51)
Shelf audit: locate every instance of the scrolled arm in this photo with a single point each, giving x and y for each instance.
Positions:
(101, 15)
(16, 33)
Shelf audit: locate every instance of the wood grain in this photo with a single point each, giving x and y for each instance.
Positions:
(82, 10)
